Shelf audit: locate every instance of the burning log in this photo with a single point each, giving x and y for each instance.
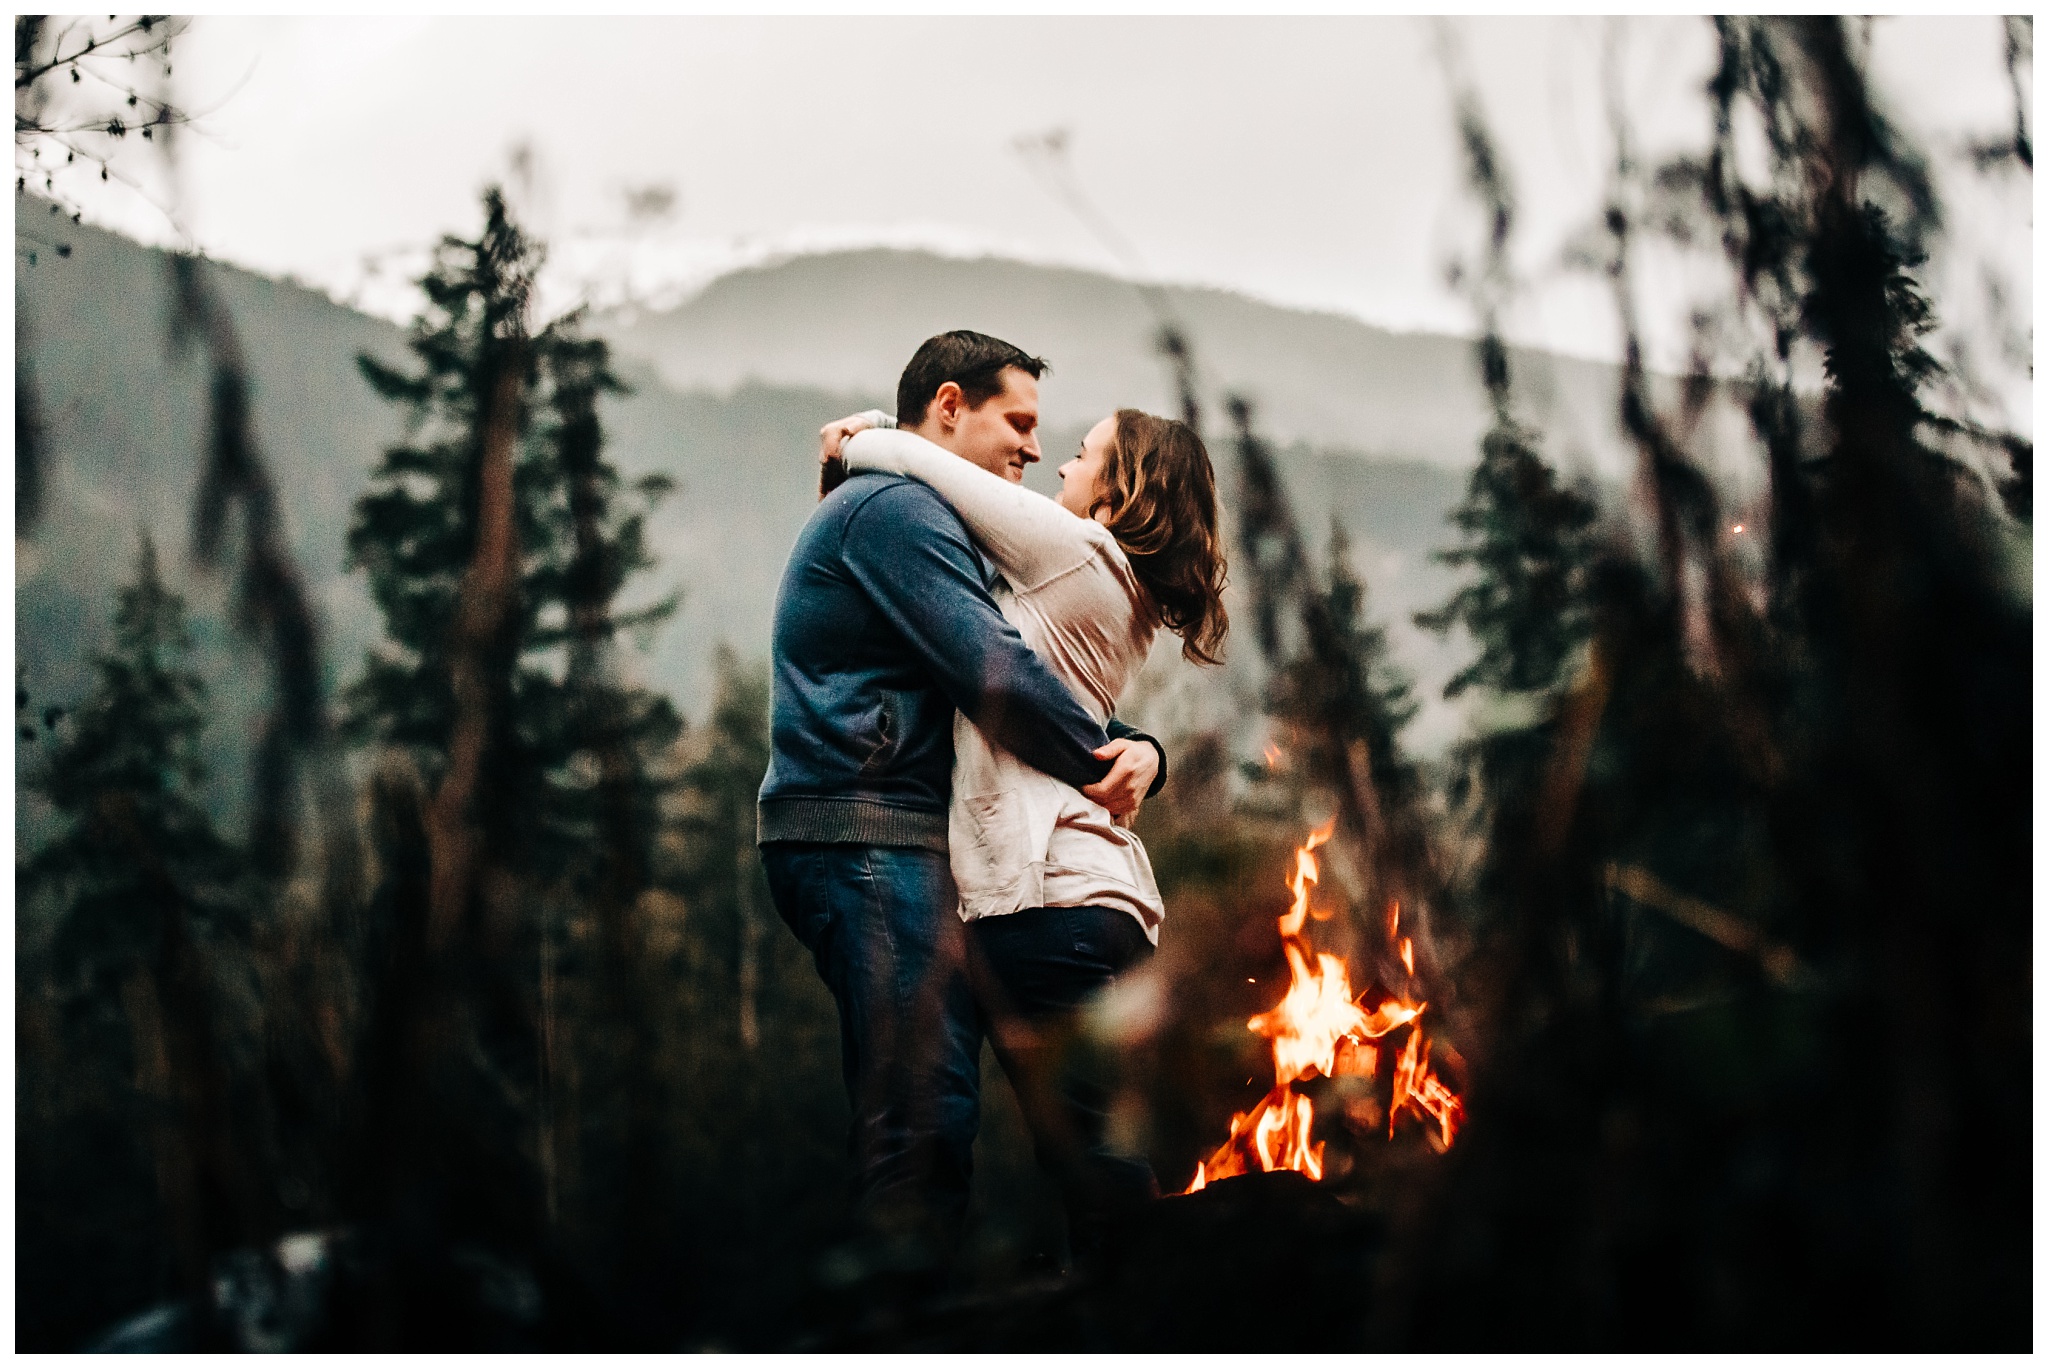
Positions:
(1320, 1029)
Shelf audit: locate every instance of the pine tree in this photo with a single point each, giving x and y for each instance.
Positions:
(1530, 611)
(1342, 687)
(153, 910)
(531, 819)
(414, 531)
(586, 746)
(1530, 540)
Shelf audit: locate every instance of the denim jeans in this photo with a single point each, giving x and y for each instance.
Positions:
(882, 923)
(1033, 971)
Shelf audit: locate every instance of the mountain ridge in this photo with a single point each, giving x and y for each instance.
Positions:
(847, 319)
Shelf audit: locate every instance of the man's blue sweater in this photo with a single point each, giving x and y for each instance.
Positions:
(884, 626)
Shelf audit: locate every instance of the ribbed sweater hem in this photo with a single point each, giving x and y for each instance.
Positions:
(858, 822)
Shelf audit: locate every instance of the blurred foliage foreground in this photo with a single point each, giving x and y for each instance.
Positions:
(484, 1036)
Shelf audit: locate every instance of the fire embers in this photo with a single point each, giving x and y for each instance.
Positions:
(1321, 1028)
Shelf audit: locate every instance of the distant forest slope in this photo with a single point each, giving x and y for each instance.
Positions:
(124, 416)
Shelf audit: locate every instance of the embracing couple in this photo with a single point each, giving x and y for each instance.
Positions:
(944, 819)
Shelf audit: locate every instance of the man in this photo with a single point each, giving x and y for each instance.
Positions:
(884, 625)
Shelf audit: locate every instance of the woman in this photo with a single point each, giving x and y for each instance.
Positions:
(1058, 896)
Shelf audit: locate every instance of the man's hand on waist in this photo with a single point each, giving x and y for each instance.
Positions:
(1136, 763)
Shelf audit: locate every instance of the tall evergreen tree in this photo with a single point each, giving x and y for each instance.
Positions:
(586, 745)
(442, 533)
(153, 910)
(414, 531)
(1341, 688)
(1530, 612)
(546, 766)
(1530, 541)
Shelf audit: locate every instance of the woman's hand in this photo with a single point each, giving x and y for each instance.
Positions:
(831, 466)
(835, 433)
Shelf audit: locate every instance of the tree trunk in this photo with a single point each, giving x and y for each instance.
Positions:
(481, 658)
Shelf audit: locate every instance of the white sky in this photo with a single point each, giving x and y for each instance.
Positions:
(1306, 161)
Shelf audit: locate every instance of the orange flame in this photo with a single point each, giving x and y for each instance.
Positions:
(1417, 1086)
(1320, 1028)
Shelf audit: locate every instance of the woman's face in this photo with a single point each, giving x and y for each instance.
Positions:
(1081, 491)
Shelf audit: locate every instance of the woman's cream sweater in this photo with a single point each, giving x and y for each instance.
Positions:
(1020, 838)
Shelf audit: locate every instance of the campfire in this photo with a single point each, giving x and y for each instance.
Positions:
(1320, 1028)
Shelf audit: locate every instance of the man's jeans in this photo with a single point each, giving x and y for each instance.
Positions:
(1033, 970)
(882, 923)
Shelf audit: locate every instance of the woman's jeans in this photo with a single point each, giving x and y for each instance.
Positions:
(1034, 970)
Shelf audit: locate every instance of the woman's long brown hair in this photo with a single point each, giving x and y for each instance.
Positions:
(1161, 495)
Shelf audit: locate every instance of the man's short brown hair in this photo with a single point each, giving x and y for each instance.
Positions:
(973, 361)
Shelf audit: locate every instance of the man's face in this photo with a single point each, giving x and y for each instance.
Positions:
(999, 435)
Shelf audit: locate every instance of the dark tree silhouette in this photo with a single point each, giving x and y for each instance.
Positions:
(1528, 539)
(490, 400)
(449, 1041)
(497, 540)
(153, 911)
(1750, 820)
(272, 607)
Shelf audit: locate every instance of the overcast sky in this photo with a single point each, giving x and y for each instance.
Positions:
(1306, 161)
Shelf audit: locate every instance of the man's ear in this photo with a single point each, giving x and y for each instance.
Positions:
(947, 404)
